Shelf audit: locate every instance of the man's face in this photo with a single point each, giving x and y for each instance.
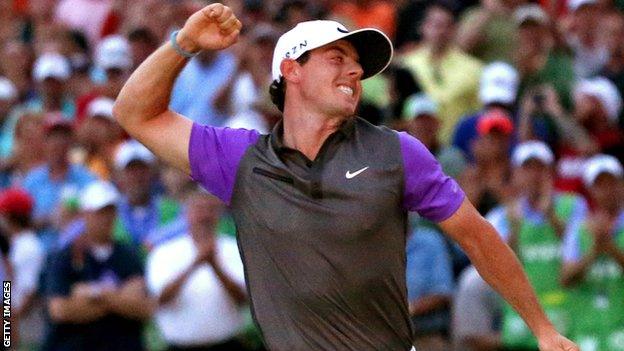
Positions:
(5, 108)
(531, 175)
(588, 110)
(587, 17)
(136, 180)
(491, 146)
(532, 36)
(330, 80)
(115, 80)
(607, 190)
(437, 28)
(99, 223)
(52, 88)
(57, 145)
(202, 213)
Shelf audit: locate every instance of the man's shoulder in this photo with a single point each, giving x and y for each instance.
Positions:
(365, 126)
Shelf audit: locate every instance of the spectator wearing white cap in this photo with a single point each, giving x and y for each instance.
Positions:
(113, 65)
(198, 280)
(140, 210)
(498, 89)
(51, 72)
(422, 121)
(538, 60)
(594, 259)
(449, 76)
(597, 108)
(533, 223)
(591, 51)
(94, 286)
(99, 135)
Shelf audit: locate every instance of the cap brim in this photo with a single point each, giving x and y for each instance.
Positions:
(373, 47)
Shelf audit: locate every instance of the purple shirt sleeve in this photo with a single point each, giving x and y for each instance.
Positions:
(428, 191)
(214, 155)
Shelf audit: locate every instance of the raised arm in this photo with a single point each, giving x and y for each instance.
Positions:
(142, 107)
(500, 268)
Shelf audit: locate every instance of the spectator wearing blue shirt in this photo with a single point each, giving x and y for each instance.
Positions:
(55, 183)
(192, 96)
(140, 210)
(50, 72)
(429, 286)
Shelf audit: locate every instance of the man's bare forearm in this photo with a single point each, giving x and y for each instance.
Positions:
(498, 266)
(74, 310)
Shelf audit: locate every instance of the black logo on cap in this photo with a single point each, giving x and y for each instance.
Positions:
(342, 30)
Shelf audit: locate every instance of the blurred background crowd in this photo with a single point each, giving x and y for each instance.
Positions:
(108, 249)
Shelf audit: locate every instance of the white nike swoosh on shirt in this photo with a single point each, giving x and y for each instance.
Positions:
(350, 175)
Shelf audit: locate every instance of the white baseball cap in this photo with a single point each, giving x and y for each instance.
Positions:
(418, 105)
(7, 89)
(101, 106)
(130, 151)
(114, 52)
(97, 195)
(51, 65)
(605, 91)
(530, 12)
(532, 150)
(373, 46)
(574, 5)
(499, 83)
(599, 164)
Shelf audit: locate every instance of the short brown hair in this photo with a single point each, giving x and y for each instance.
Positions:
(277, 89)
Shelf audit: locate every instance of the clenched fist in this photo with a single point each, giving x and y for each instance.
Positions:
(214, 27)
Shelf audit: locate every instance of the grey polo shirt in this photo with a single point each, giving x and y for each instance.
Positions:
(323, 241)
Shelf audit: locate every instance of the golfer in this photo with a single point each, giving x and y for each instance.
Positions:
(321, 202)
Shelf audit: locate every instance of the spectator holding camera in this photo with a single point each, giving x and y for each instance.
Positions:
(539, 59)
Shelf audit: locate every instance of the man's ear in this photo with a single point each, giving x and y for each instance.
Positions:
(291, 70)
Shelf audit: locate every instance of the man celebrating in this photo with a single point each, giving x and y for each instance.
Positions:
(321, 202)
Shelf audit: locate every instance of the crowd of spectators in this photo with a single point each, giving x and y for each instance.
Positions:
(108, 249)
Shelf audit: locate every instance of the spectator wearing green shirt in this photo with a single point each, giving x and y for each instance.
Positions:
(594, 260)
(538, 59)
(533, 225)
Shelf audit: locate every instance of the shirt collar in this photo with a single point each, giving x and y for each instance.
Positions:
(277, 134)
